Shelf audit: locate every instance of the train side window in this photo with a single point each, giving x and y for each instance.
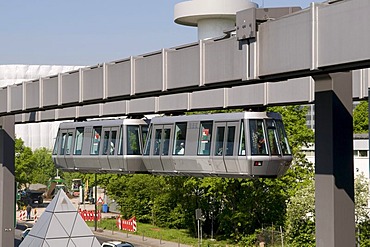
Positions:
(120, 143)
(272, 137)
(230, 140)
(283, 139)
(133, 146)
(79, 136)
(179, 139)
(242, 140)
(257, 137)
(107, 145)
(166, 141)
(157, 142)
(69, 143)
(56, 145)
(63, 143)
(113, 142)
(144, 136)
(220, 133)
(148, 141)
(95, 141)
(205, 137)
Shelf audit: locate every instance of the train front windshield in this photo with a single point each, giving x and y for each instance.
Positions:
(283, 139)
(268, 137)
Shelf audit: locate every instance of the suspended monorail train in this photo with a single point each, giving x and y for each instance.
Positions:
(239, 145)
(101, 146)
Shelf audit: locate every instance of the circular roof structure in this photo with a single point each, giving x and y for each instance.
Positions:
(189, 13)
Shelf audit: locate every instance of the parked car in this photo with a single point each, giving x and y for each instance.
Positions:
(117, 244)
(25, 233)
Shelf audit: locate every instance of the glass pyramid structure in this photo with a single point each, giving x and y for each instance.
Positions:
(60, 226)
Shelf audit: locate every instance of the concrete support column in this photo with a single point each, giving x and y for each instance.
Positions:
(334, 175)
(7, 181)
(368, 105)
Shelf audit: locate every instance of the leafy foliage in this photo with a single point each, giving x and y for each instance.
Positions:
(24, 163)
(361, 118)
(44, 167)
(361, 210)
(32, 167)
(300, 224)
(361, 198)
(363, 233)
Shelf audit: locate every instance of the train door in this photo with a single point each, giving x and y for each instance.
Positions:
(133, 157)
(225, 147)
(161, 148)
(109, 147)
(166, 157)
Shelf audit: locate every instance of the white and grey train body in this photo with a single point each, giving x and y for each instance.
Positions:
(240, 145)
(245, 144)
(101, 146)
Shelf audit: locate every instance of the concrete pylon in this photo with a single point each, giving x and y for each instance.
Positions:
(7, 181)
(334, 176)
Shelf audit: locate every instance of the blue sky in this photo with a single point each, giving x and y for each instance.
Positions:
(80, 32)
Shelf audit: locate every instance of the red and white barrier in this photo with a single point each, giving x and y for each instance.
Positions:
(22, 215)
(89, 215)
(127, 225)
(118, 223)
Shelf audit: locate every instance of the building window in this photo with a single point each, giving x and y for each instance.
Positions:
(362, 153)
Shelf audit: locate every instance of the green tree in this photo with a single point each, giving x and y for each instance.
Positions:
(44, 167)
(361, 118)
(363, 233)
(300, 223)
(361, 198)
(24, 163)
(135, 194)
(361, 209)
(69, 176)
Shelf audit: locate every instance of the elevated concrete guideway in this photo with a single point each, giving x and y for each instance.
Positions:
(293, 91)
(234, 69)
(326, 41)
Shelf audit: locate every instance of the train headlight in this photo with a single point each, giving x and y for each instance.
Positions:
(258, 163)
